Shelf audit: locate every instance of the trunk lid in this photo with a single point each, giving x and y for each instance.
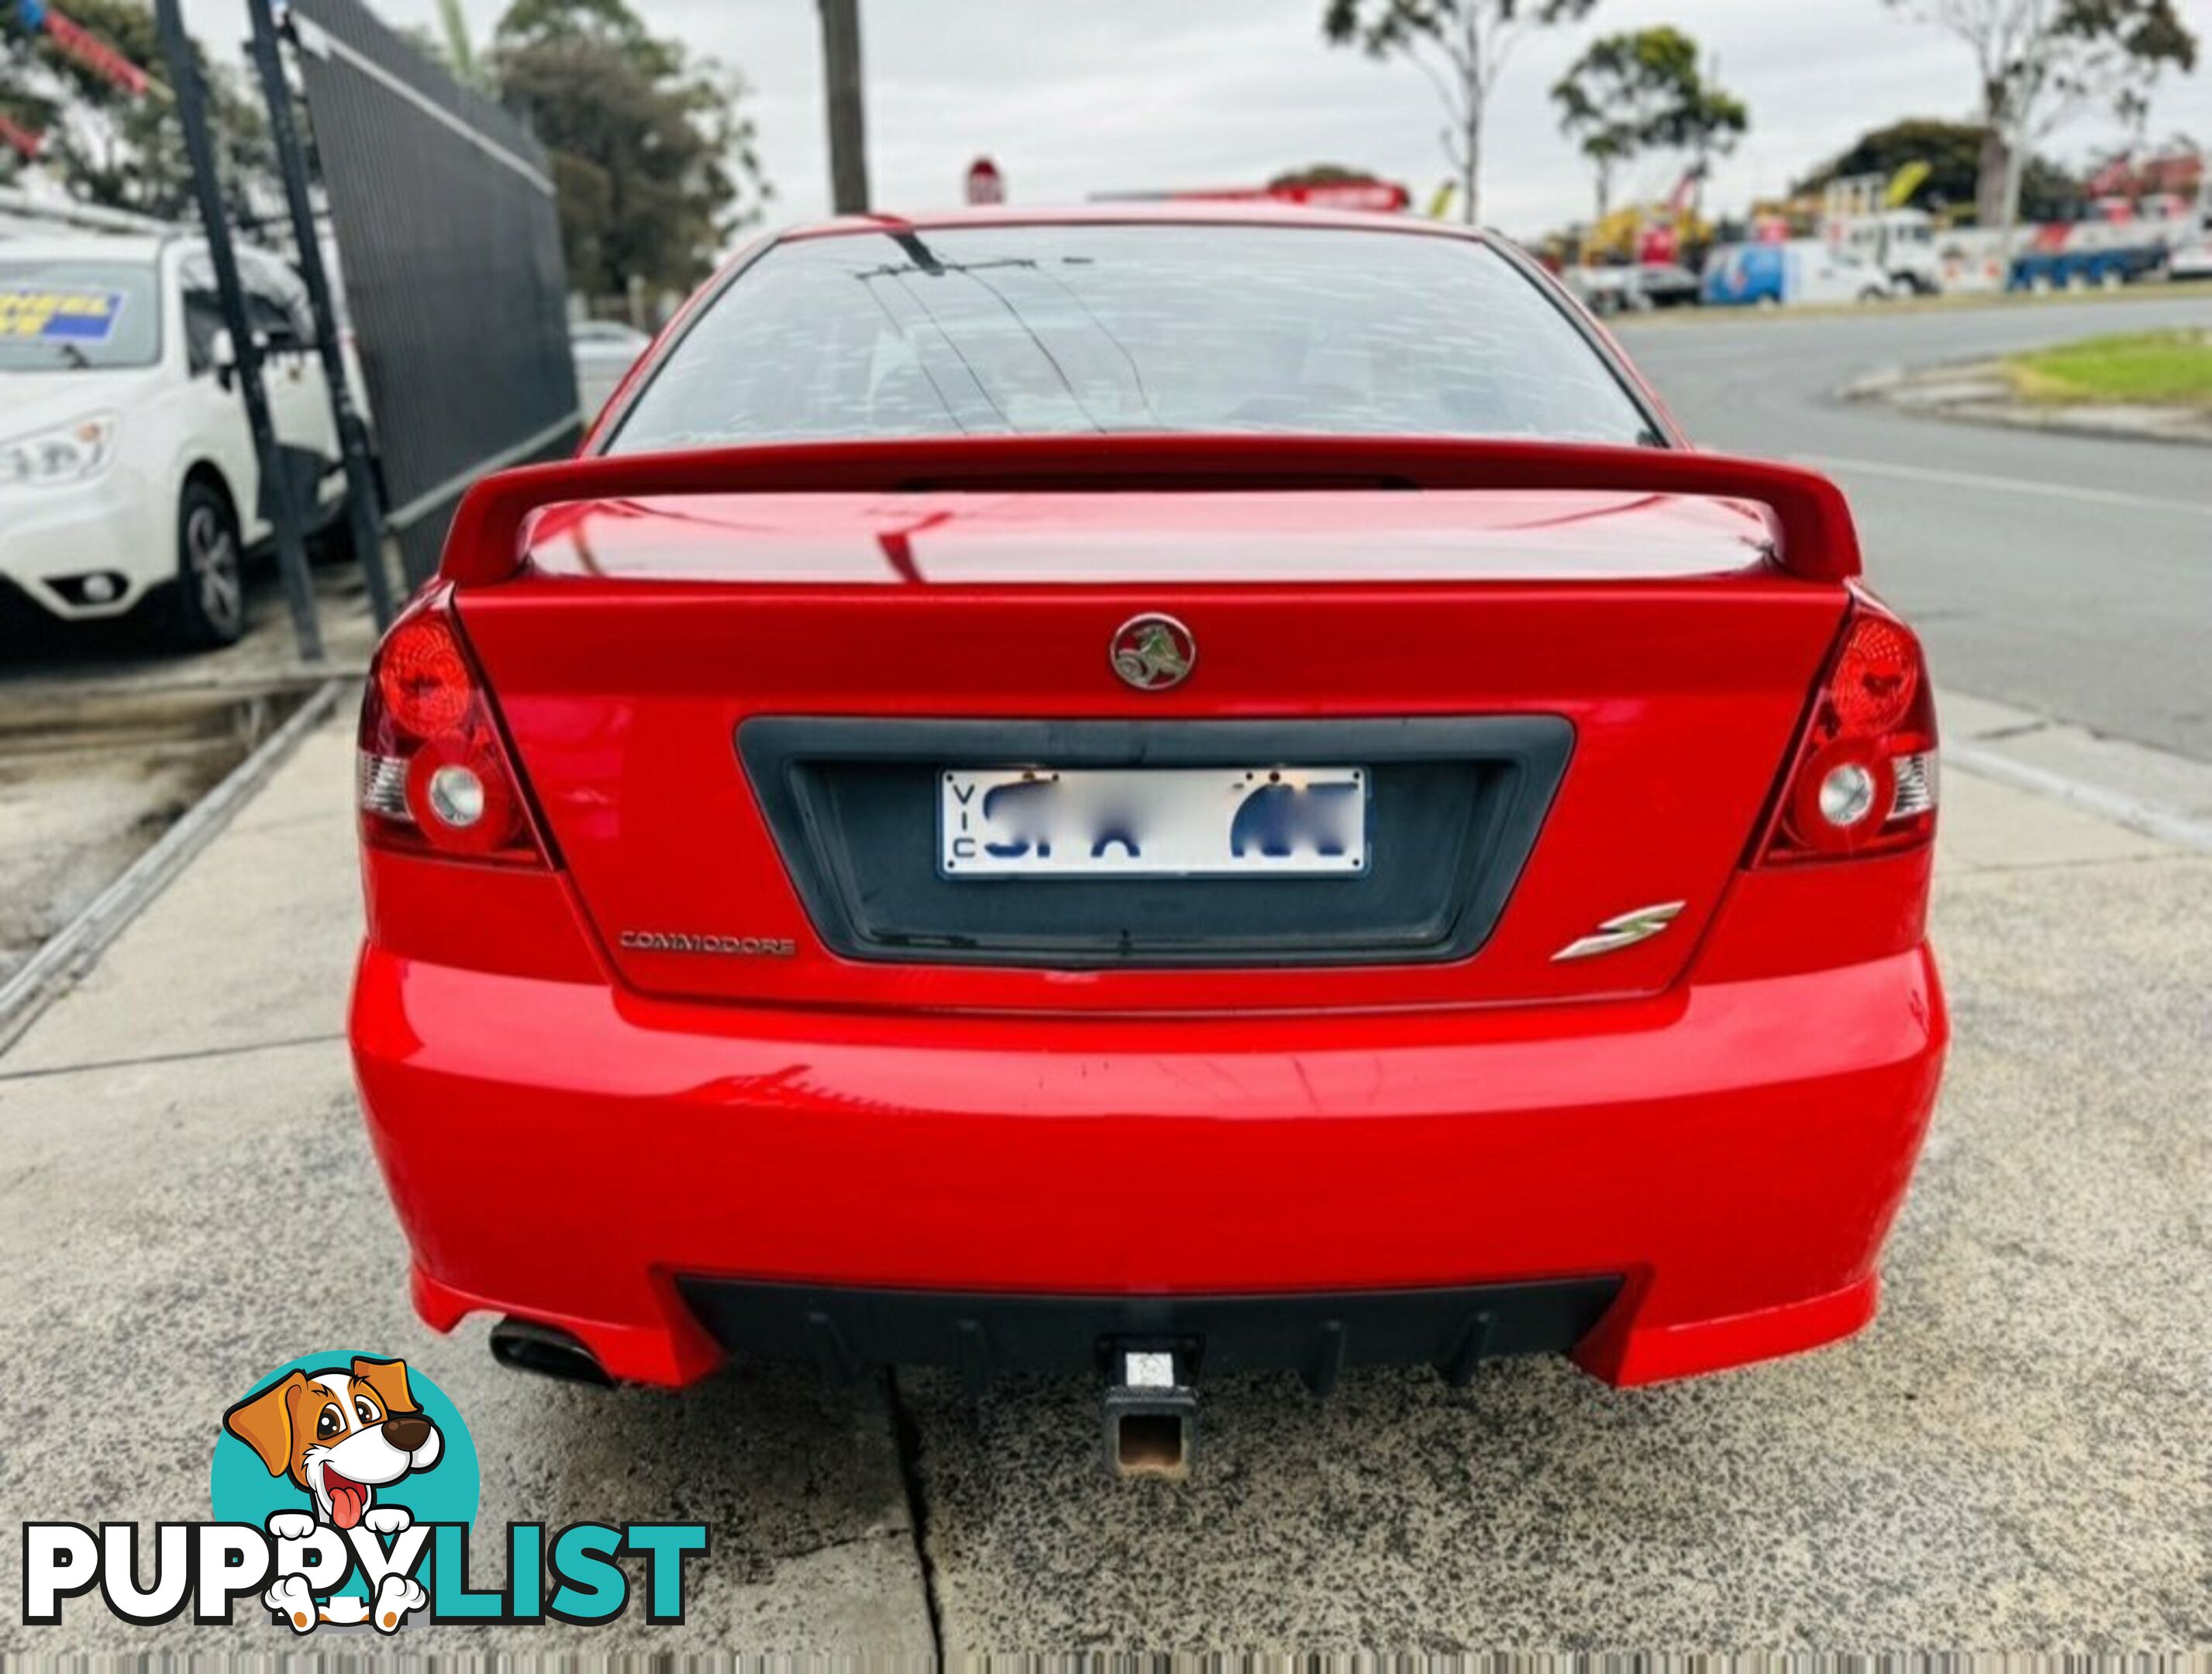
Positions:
(733, 712)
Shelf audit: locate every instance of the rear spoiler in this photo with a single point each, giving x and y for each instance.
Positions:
(1813, 535)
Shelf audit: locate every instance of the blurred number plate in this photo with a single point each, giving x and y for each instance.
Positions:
(1152, 822)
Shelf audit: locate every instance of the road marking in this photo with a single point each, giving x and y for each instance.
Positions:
(2019, 485)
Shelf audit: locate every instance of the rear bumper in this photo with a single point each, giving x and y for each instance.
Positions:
(1721, 1162)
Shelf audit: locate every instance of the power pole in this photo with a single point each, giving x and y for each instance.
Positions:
(848, 137)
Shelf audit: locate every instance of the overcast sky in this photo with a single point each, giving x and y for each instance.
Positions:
(1076, 97)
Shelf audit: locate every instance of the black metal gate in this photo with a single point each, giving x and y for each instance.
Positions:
(447, 234)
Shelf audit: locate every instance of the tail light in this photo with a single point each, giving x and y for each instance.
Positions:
(435, 777)
(1863, 777)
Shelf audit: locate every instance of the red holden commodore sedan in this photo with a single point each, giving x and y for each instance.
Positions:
(1149, 792)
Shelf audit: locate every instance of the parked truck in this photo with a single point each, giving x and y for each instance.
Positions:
(2113, 248)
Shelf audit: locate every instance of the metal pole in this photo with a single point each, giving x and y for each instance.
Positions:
(848, 140)
(207, 191)
(361, 507)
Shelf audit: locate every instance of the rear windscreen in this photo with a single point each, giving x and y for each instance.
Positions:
(1053, 330)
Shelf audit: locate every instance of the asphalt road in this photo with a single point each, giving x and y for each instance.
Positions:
(2066, 574)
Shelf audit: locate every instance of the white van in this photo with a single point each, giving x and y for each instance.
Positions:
(127, 469)
(1793, 271)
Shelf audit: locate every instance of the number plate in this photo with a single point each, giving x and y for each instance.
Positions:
(1152, 822)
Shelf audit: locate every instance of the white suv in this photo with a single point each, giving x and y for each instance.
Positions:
(127, 469)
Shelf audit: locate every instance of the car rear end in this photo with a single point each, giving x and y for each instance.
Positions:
(1260, 899)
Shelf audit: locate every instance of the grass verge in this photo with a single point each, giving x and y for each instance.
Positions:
(2145, 368)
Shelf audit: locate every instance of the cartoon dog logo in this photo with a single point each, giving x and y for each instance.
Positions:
(340, 1435)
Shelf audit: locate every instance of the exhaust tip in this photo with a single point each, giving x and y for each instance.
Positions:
(527, 1346)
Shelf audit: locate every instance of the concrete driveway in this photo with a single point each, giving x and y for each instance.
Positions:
(2018, 1454)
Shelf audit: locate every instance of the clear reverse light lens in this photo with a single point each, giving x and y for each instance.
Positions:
(1847, 794)
(457, 797)
(67, 453)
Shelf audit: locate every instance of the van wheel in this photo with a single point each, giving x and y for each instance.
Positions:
(210, 608)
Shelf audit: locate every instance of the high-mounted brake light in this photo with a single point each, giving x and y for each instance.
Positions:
(435, 778)
(1863, 780)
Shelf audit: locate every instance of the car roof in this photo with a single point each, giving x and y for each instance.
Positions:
(1140, 212)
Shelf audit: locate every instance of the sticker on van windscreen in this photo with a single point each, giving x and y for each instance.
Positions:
(58, 313)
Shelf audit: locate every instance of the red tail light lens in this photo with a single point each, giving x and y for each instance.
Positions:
(435, 778)
(1863, 778)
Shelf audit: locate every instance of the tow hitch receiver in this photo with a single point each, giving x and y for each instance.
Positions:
(1151, 1413)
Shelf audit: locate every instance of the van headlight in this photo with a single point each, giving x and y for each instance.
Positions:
(66, 453)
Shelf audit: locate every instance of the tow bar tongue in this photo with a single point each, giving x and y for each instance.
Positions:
(1151, 1413)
